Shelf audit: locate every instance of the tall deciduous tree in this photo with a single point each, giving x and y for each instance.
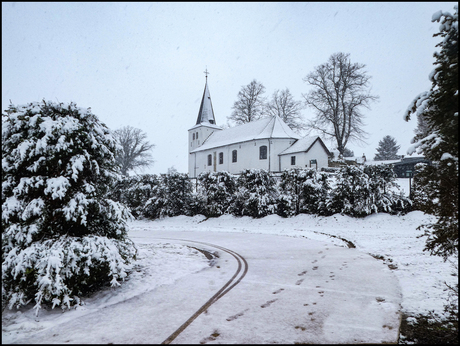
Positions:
(387, 149)
(134, 151)
(340, 91)
(283, 105)
(250, 104)
(439, 107)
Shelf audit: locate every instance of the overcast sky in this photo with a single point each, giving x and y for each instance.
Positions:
(142, 64)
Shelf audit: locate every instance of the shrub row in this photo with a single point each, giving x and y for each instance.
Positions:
(354, 191)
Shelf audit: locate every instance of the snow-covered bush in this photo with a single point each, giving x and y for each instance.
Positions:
(134, 191)
(363, 191)
(215, 193)
(172, 196)
(303, 191)
(62, 237)
(383, 187)
(352, 195)
(256, 194)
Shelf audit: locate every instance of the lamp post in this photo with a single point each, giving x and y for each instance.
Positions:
(409, 173)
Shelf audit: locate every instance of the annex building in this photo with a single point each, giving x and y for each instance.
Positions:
(267, 144)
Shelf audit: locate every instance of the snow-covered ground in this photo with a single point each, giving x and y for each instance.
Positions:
(163, 264)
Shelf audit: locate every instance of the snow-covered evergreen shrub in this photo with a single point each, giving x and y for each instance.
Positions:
(134, 192)
(383, 189)
(352, 194)
(256, 194)
(363, 191)
(62, 237)
(303, 191)
(172, 196)
(216, 193)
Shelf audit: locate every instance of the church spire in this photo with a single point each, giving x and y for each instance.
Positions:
(206, 113)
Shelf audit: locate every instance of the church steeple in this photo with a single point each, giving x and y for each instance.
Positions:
(206, 113)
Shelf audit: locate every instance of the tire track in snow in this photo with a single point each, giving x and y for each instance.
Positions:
(234, 280)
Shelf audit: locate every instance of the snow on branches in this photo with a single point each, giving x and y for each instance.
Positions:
(62, 236)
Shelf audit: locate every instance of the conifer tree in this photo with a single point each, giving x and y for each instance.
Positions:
(439, 107)
(216, 191)
(62, 235)
(387, 149)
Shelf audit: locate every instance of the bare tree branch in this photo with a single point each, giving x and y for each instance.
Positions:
(339, 92)
(283, 105)
(134, 151)
(250, 104)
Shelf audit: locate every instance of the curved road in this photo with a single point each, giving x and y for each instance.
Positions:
(234, 280)
(296, 291)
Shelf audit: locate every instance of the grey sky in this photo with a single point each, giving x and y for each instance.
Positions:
(141, 64)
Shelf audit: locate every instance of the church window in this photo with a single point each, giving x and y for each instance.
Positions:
(193, 136)
(221, 158)
(292, 160)
(209, 160)
(263, 152)
(197, 135)
(234, 155)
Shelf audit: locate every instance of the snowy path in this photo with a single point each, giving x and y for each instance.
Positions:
(296, 290)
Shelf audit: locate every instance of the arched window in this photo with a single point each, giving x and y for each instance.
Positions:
(263, 152)
(209, 160)
(234, 155)
(193, 136)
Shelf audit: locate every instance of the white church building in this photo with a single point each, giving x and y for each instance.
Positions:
(267, 144)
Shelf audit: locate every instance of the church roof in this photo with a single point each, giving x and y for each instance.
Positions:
(206, 113)
(304, 144)
(270, 127)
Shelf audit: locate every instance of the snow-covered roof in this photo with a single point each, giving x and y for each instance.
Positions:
(271, 127)
(206, 113)
(303, 145)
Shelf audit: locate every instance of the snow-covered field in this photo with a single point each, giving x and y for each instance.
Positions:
(421, 276)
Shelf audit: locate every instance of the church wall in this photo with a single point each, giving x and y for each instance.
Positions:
(303, 158)
(247, 157)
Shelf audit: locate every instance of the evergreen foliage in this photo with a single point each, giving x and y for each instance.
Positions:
(172, 196)
(437, 186)
(62, 236)
(348, 153)
(216, 193)
(363, 191)
(387, 149)
(256, 194)
(303, 191)
(135, 191)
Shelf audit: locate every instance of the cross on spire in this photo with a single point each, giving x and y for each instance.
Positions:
(206, 73)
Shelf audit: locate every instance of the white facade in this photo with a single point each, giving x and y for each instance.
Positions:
(264, 144)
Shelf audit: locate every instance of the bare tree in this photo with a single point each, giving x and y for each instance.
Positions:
(340, 91)
(250, 104)
(283, 105)
(135, 149)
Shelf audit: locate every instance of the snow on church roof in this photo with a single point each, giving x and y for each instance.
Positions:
(270, 127)
(303, 144)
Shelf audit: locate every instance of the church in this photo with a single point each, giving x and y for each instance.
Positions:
(267, 144)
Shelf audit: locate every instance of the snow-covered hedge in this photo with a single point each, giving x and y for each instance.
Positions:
(357, 192)
(172, 196)
(303, 191)
(62, 237)
(256, 194)
(216, 193)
